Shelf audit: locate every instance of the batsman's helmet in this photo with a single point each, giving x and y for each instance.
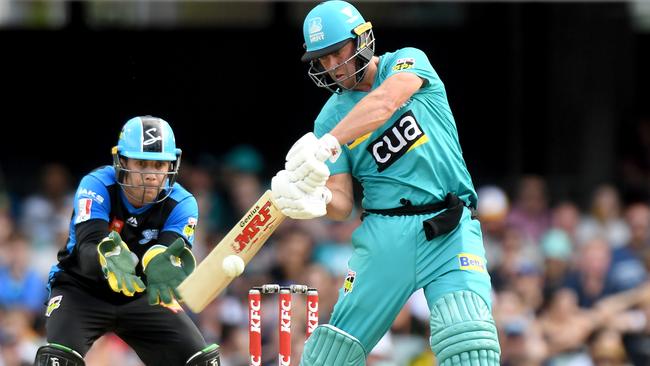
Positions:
(147, 138)
(327, 28)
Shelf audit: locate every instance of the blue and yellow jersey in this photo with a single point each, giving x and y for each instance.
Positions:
(101, 206)
(415, 154)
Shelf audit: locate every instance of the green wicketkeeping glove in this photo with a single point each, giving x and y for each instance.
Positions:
(166, 268)
(118, 264)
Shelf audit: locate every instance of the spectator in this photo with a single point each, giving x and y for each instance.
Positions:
(519, 331)
(566, 217)
(293, 252)
(627, 269)
(606, 348)
(589, 276)
(515, 251)
(492, 212)
(604, 219)
(530, 209)
(557, 251)
(566, 328)
(46, 215)
(21, 287)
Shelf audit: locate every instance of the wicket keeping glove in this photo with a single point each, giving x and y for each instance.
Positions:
(305, 160)
(118, 264)
(166, 268)
(296, 203)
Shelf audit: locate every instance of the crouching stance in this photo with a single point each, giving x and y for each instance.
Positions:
(131, 233)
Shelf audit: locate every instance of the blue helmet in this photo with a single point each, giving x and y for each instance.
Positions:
(327, 28)
(147, 138)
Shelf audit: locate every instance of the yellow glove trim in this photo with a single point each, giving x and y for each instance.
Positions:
(152, 252)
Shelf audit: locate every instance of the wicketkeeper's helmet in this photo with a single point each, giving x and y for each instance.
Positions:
(327, 28)
(147, 138)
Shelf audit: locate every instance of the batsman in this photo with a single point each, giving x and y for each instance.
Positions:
(389, 125)
(128, 248)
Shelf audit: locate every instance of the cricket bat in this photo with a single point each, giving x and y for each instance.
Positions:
(244, 240)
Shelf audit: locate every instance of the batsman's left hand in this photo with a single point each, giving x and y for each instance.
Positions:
(166, 268)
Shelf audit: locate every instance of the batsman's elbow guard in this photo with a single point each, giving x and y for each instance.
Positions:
(209, 356)
(56, 354)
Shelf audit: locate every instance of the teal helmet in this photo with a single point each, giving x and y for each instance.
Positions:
(327, 28)
(147, 138)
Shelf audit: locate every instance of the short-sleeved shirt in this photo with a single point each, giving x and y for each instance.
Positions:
(99, 198)
(415, 154)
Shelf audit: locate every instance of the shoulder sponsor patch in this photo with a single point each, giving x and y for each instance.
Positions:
(84, 206)
(396, 141)
(53, 304)
(188, 230)
(471, 262)
(87, 193)
(404, 64)
(348, 284)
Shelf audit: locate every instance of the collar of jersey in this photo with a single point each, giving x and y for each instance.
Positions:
(131, 208)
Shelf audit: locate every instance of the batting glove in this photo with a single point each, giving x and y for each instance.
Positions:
(305, 160)
(296, 203)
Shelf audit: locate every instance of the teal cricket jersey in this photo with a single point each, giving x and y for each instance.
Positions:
(415, 154)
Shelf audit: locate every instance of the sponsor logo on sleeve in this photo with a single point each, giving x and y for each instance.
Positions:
(471, 262)
(348, 284)
(188, 230)
(53, 304)
(404, 64)
(404, 135)
(84, 207)
(84, 192)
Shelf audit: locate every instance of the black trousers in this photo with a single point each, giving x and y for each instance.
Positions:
(157, 334)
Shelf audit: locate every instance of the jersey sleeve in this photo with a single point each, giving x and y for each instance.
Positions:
(91, 201)
(324, 124)
(183, 219)
(415, 61)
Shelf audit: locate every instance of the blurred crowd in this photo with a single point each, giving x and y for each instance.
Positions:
(570, 282)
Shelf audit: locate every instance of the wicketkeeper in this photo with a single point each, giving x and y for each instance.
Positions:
(130, 234)
(389, 125)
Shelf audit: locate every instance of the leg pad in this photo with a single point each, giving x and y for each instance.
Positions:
(209, 356)
(331, 346)
(56, 354)
(463, 331)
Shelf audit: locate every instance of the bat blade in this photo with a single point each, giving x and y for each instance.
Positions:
(244, 240)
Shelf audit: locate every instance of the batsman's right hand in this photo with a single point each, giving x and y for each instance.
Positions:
(296, 203)
(118, 264)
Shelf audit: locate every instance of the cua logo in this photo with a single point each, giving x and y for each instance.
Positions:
(396, 141)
